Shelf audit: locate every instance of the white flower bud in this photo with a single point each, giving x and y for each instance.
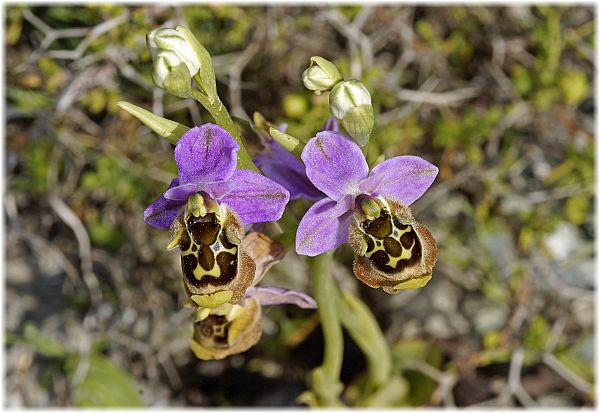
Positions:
(321, 75)
(347, 95)
(172, 40)
(171, 74)
(350, 104)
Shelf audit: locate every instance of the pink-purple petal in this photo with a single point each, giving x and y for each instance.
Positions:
(254, 197)
(287, 170)
(181, 192)
(163, 211)
(205, 154)
(403, 178)
(324, 226)
(334, 164)
(276, 295)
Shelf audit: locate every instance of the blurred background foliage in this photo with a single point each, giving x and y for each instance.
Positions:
(500, 98)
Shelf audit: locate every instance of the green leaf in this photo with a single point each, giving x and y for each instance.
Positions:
(574, 86)
(421, 386)
(290, 143)
(166, 128)
(42, 344)
(364, 329)
(104, 385)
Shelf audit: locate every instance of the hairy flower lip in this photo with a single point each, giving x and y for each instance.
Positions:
(233, 337)
(337, 167)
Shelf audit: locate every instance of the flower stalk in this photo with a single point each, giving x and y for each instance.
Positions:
(326, 385)
(362, 326)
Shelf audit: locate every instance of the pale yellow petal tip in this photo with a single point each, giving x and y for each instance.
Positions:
(413, 283)
(199, 351)
(212, 300)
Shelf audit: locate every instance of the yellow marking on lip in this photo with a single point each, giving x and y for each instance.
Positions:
(393, 261)
(212, 300)
(413, 283)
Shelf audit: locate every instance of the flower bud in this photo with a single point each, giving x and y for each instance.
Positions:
(350, 103)
(171, 74)
(321, 75)
(171, 40)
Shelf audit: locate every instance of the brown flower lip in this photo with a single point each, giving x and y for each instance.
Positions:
(393, 251)
(226, 330)
(216, 268)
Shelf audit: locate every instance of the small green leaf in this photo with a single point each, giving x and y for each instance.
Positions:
(105, 384)
(166, 128)
(574, 86)
(287, 141)
(42, 344)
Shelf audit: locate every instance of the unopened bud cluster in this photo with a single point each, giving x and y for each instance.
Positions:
(349, 100)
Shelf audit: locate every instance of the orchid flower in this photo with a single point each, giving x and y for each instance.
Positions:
(370, 211)
(206, 159)
(206, 209)
(233, 328)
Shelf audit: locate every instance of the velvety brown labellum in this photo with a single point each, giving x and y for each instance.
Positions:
(393, 251)
(209, 237)
(226, 330)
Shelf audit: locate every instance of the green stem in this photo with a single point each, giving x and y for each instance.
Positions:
(364, 329)
(326, 383)
(219, 112)
(325, 294)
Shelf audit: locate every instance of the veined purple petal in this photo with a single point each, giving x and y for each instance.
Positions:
(181, 192)
(324, 226)
(403, 178)
(163, 211)
(206, 154)
(334, 164)
(288, 171)
(276, 295)
(255, 198)
(331, 124)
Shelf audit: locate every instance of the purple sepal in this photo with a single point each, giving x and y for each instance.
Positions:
(334, 164)
(287, 170)
(324, 226)
(403, 178)
(252, 196)
(206, 154)
(163, 211)
(276, 295)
